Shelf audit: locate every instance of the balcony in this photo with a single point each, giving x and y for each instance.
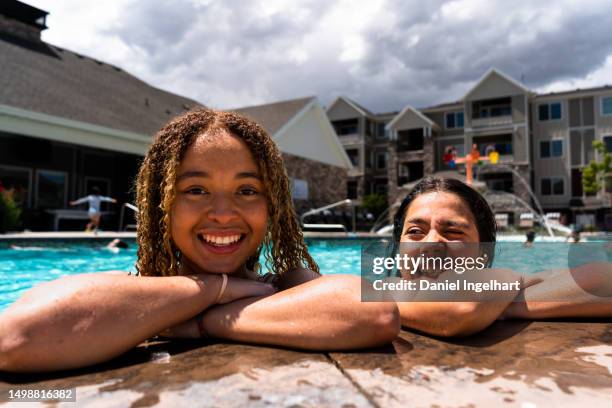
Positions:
(492, 122)
(500, 143)
(492, 112)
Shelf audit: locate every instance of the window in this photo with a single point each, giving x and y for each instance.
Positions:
(549, 111)
(353, 155)
(551, 148)
(16, 182)
(454, 120)
(368, 127)
(299, 189)
(51, 189)
(381, 161)
(345, 127)
(606, 105)
(552, 186)
(410, 140)
(608, 143)
(382, 132)
(351, 189)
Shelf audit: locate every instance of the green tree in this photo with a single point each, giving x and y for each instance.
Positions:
(375, 203)
(598, 172)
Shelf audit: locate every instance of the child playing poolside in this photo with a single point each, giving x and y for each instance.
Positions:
(446, 213)
(212, 195)
(94, 200)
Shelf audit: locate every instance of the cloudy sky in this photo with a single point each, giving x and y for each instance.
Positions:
(382, 53)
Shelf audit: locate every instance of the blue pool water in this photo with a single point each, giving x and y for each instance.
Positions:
(33, 263)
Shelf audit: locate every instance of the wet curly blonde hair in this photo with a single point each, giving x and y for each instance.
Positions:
(283, 244)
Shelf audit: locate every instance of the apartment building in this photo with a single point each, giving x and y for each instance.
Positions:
(365, 140)
(543, 141)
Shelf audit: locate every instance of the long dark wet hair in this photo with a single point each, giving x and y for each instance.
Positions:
(481, 211)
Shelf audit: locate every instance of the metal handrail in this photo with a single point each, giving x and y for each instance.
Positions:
(121, 215)
(327, 207)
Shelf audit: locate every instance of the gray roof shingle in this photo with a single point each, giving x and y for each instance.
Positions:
(43, 78)
(274, 115)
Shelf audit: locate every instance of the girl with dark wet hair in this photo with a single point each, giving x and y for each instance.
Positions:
(447, 212)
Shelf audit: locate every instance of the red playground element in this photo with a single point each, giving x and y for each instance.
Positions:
(473, 158)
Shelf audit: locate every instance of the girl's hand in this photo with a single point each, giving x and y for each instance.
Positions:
(238, 288)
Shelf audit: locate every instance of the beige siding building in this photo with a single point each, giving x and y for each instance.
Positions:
(544, 140)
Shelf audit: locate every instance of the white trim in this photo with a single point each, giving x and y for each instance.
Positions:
(407, 109)
(66, 185)
(490, 72)
(36, 124)
(601, 104)
(30, 180)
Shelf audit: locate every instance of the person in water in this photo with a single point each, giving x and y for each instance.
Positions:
(448, 213)
(213, 198)
(529, 238)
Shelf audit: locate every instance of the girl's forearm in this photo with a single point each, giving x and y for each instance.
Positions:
(322, 314)
(583, 291)
(450, 319)
(82, 320)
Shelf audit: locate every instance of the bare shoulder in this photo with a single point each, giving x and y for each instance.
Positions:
(296, 277)
(124, 273)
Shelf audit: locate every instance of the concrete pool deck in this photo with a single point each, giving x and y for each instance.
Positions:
(511, 364)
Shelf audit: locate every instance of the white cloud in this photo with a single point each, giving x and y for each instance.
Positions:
(383, 53)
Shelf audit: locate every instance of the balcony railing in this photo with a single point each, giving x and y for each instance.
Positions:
(490, 122)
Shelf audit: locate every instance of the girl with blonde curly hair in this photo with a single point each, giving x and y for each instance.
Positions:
(213, 196)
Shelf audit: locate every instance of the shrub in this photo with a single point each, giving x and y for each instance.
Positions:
(10, 213)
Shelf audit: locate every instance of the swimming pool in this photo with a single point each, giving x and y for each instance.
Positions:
(36, 262)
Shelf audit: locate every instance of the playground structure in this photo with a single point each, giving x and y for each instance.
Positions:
(492, 157)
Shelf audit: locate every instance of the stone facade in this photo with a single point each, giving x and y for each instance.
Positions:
(326, 183)
(426, 156)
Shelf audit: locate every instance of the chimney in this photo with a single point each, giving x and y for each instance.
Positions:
(21, 20)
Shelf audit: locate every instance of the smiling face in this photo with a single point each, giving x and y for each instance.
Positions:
(437, 224)
(439, 217)
(220, 213)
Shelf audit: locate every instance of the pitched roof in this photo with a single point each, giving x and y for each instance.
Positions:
(274, 116)
(410, 109)
(43, 78)
(442, 105)
(495, 72)
(577, 90)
